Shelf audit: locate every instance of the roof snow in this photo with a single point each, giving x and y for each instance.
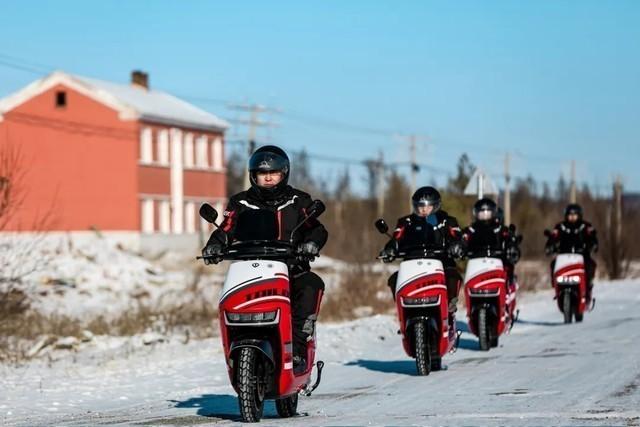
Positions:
(130, 101)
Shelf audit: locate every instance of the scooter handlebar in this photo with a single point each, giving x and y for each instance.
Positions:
(256, 249)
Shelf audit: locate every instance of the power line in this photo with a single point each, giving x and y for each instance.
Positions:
(14, 62)
(26, 68)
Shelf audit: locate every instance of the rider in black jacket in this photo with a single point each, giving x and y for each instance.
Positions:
(269, 174)
(434, 227)
(574, 235)
(488, 232)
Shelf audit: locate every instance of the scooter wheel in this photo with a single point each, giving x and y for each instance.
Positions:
(483, 329)
(422, 349)
(287, 406)
(567, 308)
(436, 363)
(251, 385)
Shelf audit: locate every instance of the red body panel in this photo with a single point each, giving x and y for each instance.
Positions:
(265, 296)
(430, 285)
(494, 282)
(573, 270)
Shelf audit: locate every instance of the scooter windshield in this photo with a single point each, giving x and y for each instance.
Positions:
(256, 224)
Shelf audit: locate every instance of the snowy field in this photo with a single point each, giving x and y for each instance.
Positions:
(543, 374)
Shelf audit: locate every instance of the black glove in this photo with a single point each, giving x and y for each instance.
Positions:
(456, 249)
(309, 248)
(513, 254)
(388, 254)
(212, 251)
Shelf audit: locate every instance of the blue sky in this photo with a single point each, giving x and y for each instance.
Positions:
(548, 81)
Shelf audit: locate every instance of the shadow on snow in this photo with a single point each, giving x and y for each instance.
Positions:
(407, 367)
(223, 406)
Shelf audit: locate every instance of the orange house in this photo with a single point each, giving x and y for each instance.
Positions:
(119, 158)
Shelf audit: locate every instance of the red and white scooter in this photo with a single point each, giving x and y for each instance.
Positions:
(428, 332)
(255, 317)
(570, 284)
(490, 300)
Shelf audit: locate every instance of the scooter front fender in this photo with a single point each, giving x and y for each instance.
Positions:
(262, 346)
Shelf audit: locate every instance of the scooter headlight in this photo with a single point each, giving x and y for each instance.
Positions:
(432, 300)
(260, 317)
(484, 291)
(569, 280)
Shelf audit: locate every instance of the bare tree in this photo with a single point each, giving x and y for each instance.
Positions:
(12, 191)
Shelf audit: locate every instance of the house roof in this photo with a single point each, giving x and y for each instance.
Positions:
(131, 102)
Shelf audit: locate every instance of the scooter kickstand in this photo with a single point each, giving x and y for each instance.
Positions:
(308, 390)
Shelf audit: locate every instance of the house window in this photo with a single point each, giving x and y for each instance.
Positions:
(165, 217)
(201, 152)
(188, 150)
(163, 147)
(61, 99)
(147, 213)
(216, 154)
(190, 217)
(146, 145)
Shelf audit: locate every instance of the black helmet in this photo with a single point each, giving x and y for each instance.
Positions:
(269, 158)
(573, 208)
(426, 196)
(485, 209)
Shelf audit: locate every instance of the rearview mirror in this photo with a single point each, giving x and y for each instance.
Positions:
(208, 213)
(316, 209)
(381, 226)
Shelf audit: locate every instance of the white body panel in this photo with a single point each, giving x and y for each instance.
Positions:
(243, 273)
(412, 269)
(565, 260)
(477, 266)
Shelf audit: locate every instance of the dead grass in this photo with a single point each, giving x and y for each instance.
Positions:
(21, 326)
(358, 288)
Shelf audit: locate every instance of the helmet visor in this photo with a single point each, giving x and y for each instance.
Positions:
(485, 214)
(266, 162)
(419, 206)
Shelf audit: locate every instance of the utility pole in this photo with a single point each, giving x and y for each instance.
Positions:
(253, 123)
(507, 190)
(573, 192)
(412, 158)
(616, 230)
(380, 184)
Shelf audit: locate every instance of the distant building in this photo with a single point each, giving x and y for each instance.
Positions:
(122, 159)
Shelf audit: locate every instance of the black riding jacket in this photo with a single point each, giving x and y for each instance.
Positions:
(579, 237)
(437, 230)
(289, 208)
(488, 234)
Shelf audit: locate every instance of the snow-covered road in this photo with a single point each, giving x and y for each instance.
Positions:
(543, 373)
